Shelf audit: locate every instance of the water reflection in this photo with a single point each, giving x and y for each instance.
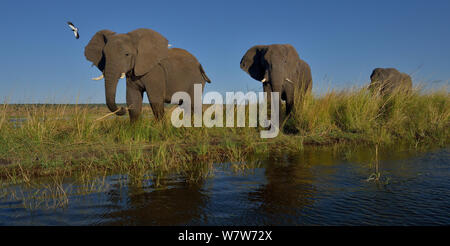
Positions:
(320, 186)
(289, 189)
(177, 203)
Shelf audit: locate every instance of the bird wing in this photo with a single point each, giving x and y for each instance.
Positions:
(71, 25)
(77, 35)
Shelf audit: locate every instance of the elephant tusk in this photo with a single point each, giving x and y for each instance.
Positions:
(98, 78)
(264, 80)
(101, 77)
(288, 80)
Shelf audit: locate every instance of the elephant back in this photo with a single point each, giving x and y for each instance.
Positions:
(304, 76)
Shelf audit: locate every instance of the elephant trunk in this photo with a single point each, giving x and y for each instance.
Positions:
(111, 80)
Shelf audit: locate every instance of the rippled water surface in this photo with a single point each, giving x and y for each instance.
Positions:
(316, 187)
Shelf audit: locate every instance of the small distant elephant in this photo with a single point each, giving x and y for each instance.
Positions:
(149, 65)
(385, 80)
(280, 69)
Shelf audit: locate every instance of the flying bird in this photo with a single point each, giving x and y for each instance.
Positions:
(74, 29)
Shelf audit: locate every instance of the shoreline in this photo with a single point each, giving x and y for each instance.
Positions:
(61, 139)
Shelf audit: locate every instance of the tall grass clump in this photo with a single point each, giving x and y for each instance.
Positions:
(361, 115)
(418, 117)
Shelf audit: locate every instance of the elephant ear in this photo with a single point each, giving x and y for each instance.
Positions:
(93, 50)
(151, 47)
(377, 73)
(254, 64)
(248, 59)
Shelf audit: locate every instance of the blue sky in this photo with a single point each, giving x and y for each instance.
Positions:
(341, 40)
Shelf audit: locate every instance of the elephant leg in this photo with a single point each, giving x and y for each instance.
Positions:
(281, 114)
(289, 107)
(267, 87)
(158, 109)
(157, 103)
(290, 97)
(155, 86)
(134, 102)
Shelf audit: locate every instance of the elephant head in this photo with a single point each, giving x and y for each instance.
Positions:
(134, 53)
(271, 63)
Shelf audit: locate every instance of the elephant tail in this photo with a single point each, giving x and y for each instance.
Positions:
(205, 77)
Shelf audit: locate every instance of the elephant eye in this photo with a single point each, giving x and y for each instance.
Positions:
(127, 54)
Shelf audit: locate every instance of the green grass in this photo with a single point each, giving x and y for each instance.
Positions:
(357, 115)
(65, 140)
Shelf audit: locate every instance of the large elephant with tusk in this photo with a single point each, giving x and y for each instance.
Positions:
(280, 69)
(148, 64)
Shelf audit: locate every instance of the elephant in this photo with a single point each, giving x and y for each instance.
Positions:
(280, 69)
(385, 80)
(149, 65)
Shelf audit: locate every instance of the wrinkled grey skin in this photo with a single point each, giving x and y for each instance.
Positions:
(150, 66)
(183, 70)
(282, 70)
(385, 80)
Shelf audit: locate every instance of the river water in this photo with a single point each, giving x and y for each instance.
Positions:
(320, 186)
